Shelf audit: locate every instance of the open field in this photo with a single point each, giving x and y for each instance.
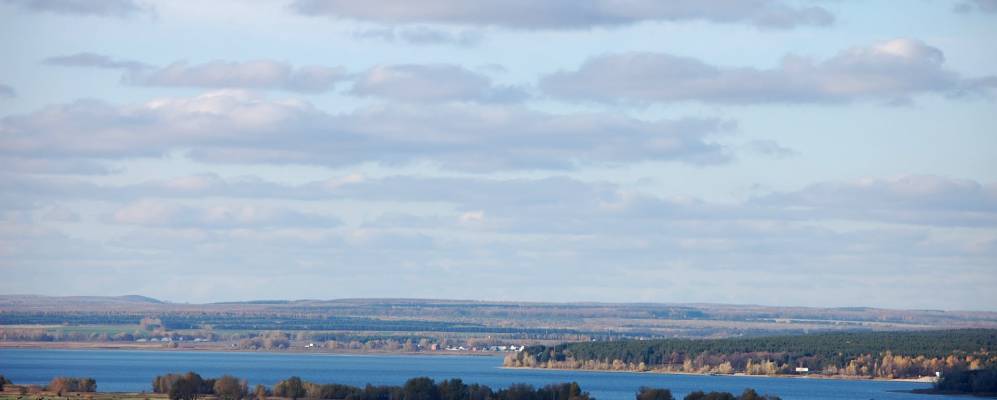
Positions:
(425, 326)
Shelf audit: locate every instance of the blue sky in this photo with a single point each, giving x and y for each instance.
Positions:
(836, 153)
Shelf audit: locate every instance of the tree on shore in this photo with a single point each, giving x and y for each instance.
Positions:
(64, 384)
(421, 388)
(647, 393)
(748, 394)
(291, 388)
(230, 388)
(261, 392)
(980, 381)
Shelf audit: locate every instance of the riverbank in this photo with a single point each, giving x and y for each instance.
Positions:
(923, 379)
(224, 347)
(952, 393)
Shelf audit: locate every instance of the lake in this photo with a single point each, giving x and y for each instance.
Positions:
(133, 371)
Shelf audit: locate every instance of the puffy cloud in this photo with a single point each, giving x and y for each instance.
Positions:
(568, 14)
(769, 148)
(422, 35)
(258, 74)
(87, 59)
(983, 6)
(166, 214)
(570, 205)
(407, 82)
(908, 199)
(7, 91)
(102, 8)
(538, 228)
(892, 70)
(236, 127)
(432, 82)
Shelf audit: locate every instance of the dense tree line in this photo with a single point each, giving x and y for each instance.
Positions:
(873, 354)
(664, 394)
(64, 384)
(190, 386)
(263, 322)
(426, 389)
(980, 381)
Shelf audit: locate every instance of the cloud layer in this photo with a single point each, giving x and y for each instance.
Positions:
(237, 127)
(7, 91)
(893, 70)
(566, 14)
(432, 83)
(535, 228)
(422, 35)
(94, 60)
(102, 8)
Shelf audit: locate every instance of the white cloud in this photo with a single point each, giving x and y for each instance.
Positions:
(94, 60)
(257, 74)
(422, 36)
(7, 91)
(983, 6)
(540, 228)
(237, 127)
(432, 82)
(161, 213)
(102, 8)
(568, 14)
(893, 70)
(924, 199)
(569, 205)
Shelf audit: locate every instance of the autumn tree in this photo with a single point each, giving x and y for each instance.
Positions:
(230, 388)
(261, 392)
(292, 388)
(65, 384)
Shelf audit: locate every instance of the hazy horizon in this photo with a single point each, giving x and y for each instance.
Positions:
(468, 300)
(769, 152)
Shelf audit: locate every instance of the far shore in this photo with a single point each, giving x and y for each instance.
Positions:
(924, 379)
(217, 347)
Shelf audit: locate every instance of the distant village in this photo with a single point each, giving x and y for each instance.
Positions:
(430, 347)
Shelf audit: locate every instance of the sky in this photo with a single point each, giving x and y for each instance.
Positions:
(776, 152)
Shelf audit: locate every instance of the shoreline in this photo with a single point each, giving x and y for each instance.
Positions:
(84, 346)
(224, 349)
(814, 376)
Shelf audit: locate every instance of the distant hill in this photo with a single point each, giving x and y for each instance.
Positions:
(140, 299)
(539, 321)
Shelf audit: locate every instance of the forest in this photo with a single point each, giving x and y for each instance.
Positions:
(191, 386)
(857, 354)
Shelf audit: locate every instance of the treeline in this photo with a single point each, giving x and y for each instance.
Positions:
(190, 386)
(979, 382)
(59, 385)
(289, 321)
(646, 393)
(65, 384)
(868, 354)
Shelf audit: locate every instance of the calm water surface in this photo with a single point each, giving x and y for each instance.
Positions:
(126, 370)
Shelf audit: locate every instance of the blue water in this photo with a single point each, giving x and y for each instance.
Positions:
(133, 371)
